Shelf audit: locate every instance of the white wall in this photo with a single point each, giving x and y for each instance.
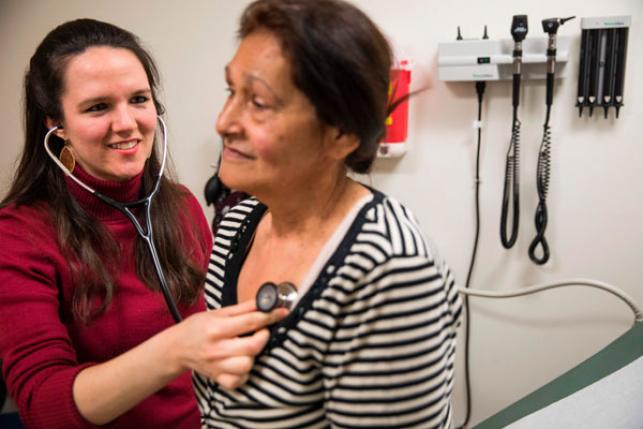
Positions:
(596, 195)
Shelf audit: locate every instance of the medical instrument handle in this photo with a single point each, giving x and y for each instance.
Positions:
(638, 314)
(516, 90)
(610, 68)
(620, 69)
(580, 94)
(550, 26)
(519, 29)
(550, 89)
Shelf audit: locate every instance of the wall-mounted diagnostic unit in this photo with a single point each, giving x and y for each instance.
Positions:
(493, 59)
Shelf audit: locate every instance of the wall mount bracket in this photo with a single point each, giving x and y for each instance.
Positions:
(491, 59)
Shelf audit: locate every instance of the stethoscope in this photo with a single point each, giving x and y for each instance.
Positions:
(146, 233)
(271, 295)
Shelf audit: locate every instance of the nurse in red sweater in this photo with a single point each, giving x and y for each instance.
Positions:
(85, 336)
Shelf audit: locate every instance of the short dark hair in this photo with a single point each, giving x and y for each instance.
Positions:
(340, 60)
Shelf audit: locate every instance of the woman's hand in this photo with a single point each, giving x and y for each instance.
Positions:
(211, 343)
(206, 342)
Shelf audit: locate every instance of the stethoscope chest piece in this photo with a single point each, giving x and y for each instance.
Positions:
(271, 296)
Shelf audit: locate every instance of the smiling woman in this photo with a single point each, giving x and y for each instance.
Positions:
(109, 114)
(86, 337)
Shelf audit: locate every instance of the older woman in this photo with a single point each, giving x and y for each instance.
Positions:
(371, 339)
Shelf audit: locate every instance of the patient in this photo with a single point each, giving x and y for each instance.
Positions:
(371, 340)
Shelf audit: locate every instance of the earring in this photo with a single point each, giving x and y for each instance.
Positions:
(67, 158)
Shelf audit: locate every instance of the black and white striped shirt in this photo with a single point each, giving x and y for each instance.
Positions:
(371, 344)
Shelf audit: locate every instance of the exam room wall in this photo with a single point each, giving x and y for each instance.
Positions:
(596, 194)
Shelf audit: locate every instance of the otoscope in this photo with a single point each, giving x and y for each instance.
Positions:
(511, 189)
(550, 26)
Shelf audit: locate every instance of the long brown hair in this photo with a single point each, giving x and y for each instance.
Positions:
(86, 243)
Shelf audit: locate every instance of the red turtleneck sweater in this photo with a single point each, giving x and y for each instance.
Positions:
(42, 348)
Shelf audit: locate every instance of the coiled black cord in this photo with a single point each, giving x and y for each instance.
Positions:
(543, 173)
(511, 190)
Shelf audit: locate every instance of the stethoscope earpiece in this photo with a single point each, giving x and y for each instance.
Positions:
(212, 189)
(271, 296)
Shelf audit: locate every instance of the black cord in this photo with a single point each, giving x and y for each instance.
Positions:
(511, 189)
(542, 185)
(480, 87)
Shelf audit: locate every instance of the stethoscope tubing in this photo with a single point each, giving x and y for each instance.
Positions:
(147, 232)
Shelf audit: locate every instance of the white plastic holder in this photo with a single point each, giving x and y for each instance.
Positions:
(391, 150)
(491, 59)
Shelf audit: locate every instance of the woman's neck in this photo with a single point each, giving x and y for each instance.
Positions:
(125, 191)
(312, 208)
(297, 225)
